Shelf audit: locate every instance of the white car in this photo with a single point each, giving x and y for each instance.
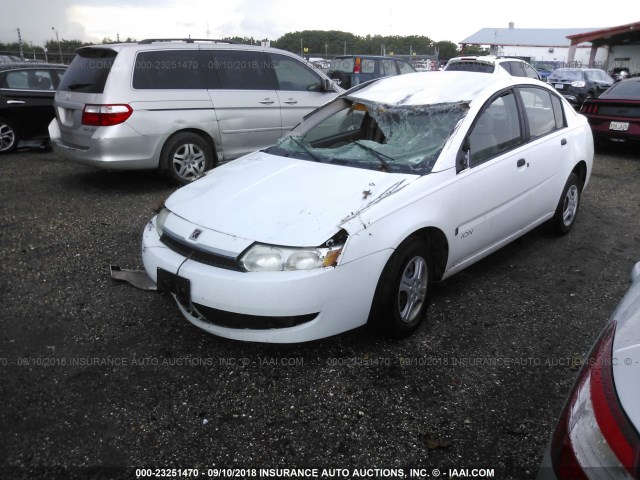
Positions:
(492, 64)
(597, 434)
(353, 215)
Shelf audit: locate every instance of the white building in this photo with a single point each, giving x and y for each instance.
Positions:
(538, 44)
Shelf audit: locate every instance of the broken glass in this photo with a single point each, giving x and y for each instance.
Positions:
(390, 138)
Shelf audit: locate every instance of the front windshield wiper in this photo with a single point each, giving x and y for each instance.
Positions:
(305, 148)
(383, 162)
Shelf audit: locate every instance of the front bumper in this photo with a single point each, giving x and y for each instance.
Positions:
(278, 307)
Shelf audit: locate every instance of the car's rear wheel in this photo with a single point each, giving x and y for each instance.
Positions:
(9, 138)
(186, 156)
(403, 290)
(567, 209)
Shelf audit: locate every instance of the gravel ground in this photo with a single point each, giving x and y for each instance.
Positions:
(99, 379)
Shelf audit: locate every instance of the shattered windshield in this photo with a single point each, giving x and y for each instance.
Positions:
(399, 139)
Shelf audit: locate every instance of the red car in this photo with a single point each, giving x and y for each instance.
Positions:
(615, 115)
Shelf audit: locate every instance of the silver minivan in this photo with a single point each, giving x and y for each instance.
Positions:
(182, 106)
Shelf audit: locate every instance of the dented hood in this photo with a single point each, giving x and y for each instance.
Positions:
(283, 201)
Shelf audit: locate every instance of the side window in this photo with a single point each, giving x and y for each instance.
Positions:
(388, 67)
(41, 80)
(404, 67)
(368, 65)
(558, 112)
(497, 130)
(17, 79)
(529, 71)
(238, 70)
(517, 69)
(507, 66)
(29, 80)
(292, 74)
(169, 70)
(539, 111)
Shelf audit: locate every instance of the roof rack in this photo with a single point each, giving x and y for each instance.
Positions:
(186, 40)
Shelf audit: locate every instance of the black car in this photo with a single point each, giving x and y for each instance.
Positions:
(578, 84)
(351, 70)
(615, 115)
(26, 101)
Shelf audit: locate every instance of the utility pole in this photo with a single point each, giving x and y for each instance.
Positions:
(20, 44)
(58, 40)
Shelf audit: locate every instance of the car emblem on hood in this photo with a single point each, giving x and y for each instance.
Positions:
(196, 233)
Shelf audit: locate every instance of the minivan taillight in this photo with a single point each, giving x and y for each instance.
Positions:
(356, 67)
(105, 115)
(594, 435)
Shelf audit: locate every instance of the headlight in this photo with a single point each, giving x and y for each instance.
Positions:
(160, 219)
(271, 258)
(578, 84)
(268, 258)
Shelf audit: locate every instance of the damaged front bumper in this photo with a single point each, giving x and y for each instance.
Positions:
(279, 307)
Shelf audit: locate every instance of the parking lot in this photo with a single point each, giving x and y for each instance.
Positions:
(98, 375)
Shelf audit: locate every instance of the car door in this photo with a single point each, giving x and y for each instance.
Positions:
(246, 104)
(548, 143)
(299, 89)
(27, 97)
(491, 206)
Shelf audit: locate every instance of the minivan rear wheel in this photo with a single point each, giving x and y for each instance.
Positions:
(8, 137)
(185, 157)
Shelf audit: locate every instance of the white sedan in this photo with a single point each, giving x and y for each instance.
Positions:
(351, 217)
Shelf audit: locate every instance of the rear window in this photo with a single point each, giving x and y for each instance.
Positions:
(471, 66)
(625, 89)
(89, 70)
(565, 74)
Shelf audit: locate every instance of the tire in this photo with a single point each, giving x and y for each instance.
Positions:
(403, 291)
(567, 209)
(185, 157)
(9, 137)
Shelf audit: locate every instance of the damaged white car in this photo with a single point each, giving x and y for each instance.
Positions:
(352, 216)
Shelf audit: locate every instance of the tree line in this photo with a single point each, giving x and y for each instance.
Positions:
(309, 43)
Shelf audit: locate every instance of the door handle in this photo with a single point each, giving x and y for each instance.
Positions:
(266, 101)
(15, 102)
(291, 101)
(563, 141)
(521, 162)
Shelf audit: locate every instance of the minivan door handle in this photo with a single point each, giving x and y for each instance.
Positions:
(521, 162)
(291, 101)
(267, 101)
(15, 102)
(563, 141)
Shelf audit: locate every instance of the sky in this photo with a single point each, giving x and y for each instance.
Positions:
(93, 20)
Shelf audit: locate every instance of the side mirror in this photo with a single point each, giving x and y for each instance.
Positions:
(327, 85)
(462, 159)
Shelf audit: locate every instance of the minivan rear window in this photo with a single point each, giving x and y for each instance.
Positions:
(89, 70)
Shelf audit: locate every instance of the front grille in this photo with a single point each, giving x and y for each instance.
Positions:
(199, 255)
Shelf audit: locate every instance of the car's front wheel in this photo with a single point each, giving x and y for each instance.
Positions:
(8, 137)
(567, 209)
(403, 290)
(185, 157)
